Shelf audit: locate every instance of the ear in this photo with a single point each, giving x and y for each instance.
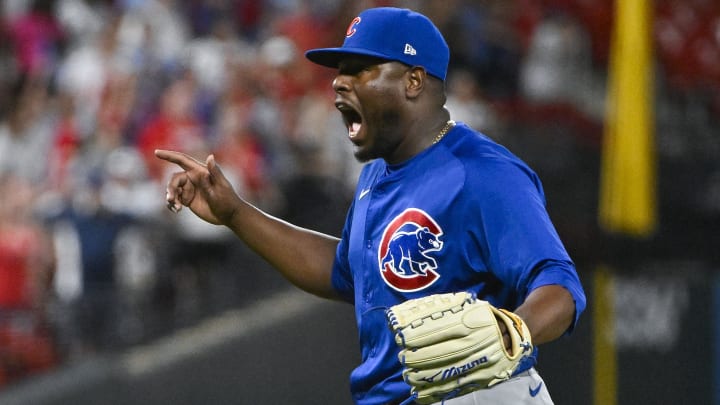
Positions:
(416, 77)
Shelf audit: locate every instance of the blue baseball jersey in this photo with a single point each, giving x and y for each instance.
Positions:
(463, 215)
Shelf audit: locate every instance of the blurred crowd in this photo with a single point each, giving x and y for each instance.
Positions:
(90, 258)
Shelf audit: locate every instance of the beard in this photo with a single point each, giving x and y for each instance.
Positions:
(379, 149)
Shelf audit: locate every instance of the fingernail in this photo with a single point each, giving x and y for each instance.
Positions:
(172, 207)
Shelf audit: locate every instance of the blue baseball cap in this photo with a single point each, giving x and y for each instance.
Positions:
(393, 34)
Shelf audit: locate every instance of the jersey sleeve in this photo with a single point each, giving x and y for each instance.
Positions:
(522, 247)
(564, 274)
(341, 277)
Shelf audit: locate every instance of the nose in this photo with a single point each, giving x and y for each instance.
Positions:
(341, 83)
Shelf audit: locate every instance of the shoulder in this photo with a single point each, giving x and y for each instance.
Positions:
(467, 143)
(487, 163)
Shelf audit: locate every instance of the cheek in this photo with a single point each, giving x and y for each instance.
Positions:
(382, 99)
(392, 94)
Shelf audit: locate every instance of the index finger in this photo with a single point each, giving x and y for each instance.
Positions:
(186, 162)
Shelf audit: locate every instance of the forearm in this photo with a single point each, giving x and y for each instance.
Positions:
(302, 256)
(548, 312)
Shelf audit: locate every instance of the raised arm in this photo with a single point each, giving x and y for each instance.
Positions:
(303, 256)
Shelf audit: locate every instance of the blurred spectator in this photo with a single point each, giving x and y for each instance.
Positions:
(211, 56)
(26, 132)
(559, 53)
(279, 85)
(284, 72)
(90, 256)
(246, 157)
(26, 269)
(484, 42)
(85, 71)
(303, 21)
(37, 39)
(127, 189)
(81, 19)
(175, 125)
(319, 142)
(65, 149)
(248, 15)
(466, 103)
(116, 106)
(319, 189)
(154, 30)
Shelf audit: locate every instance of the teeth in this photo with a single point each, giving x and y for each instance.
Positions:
(354, 129)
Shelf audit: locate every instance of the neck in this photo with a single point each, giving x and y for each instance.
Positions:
(420, 135)
(432, 128)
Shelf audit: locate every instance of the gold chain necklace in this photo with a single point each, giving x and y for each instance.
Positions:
(444, 131)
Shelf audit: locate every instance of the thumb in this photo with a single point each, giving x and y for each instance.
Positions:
(213, 168)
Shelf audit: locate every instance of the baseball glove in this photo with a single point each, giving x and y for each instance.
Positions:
(452, 344)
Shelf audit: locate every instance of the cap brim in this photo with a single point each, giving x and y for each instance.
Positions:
(331, 57)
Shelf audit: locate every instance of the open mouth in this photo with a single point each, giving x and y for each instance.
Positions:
(352, 119)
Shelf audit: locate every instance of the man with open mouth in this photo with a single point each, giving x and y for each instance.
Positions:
(439, 208)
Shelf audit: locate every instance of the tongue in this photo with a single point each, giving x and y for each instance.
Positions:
(354, 129)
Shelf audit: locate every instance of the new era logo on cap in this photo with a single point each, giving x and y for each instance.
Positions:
(393, 34)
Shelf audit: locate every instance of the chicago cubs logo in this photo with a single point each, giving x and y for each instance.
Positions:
(351, 28)
(403, 253)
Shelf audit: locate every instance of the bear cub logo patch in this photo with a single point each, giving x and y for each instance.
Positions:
(404, 253)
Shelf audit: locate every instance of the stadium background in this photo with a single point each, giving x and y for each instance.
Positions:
(106, 298)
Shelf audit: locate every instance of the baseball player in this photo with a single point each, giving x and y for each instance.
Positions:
(448, 255)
